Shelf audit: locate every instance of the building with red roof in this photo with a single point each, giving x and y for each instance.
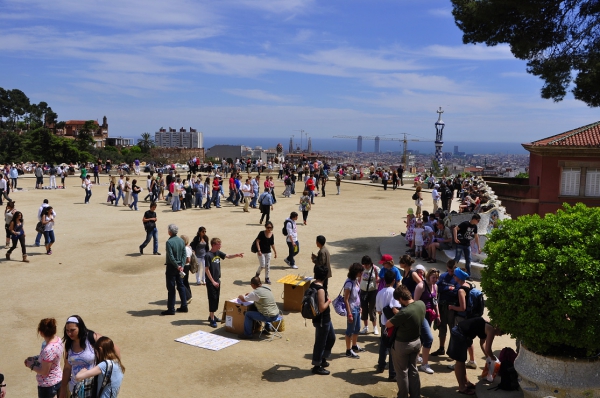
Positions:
(72, 128)
(563, 168)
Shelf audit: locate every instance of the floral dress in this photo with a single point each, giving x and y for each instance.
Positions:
(410, 229)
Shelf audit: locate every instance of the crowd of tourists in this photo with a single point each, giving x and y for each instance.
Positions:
(403, 304)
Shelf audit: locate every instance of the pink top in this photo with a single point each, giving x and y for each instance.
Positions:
(51, 352)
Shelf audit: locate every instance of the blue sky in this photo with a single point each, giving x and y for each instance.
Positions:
(269, 67)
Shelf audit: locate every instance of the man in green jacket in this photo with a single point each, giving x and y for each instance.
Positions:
(174, 272)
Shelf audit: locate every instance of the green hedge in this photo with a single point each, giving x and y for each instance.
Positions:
(542, 280)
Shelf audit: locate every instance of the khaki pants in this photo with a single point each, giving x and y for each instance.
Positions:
(404, 356)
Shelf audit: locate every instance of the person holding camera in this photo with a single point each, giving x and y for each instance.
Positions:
(46, 365)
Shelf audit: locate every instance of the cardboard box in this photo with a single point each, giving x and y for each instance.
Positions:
(294, 287)
(233, 316)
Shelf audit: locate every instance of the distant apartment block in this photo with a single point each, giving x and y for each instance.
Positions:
(179, 139)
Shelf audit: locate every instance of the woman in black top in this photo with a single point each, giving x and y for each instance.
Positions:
(410, 278)
(135, 190)
(265, 241)
(324, 333)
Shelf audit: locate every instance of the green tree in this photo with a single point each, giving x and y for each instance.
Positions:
(19, 105)
(85, 136)
(560, 40)
(146, 143)
(541, 280)
(11, 147)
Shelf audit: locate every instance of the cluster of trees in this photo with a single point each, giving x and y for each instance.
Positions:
(27, 133)
(559, 39)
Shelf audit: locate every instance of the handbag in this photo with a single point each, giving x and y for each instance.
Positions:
(193, 264)
(339, 305)
(39, 228)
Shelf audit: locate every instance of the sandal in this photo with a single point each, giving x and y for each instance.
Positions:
(467, 392)
(470, 385)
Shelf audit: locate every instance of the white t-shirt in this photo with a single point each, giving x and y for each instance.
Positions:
(384, 298)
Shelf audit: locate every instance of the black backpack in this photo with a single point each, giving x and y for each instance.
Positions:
(284, 229)
(415, 196)
(310, 303)
(509, 378)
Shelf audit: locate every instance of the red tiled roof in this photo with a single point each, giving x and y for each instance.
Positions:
(586, 136)
(78, 122)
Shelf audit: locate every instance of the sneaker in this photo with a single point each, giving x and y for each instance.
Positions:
(319, 370)
(157, 254)
(419, 359)
(268, 281)
(426, 369)
(213, 323)
(351, 354)
(376, 331)
(438, 352)
(451, 366)
(380, 369)
(141, 250)
(167, 313)
(182, 309)
(472, 365)
(324, 363)
(356, 348)
(364, 330)
(285, 260)
(294, 266)
(190, 300)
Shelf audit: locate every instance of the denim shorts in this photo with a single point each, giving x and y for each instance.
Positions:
(49, 392)
(354, 327)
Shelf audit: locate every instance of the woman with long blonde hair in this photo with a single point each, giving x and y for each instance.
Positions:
(109, 370)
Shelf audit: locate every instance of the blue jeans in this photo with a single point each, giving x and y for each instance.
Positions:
(254, 199)
(460, 249)
(216, 198)
(198, 201)
(120, 195)
(252, 316)
(208, 202)
(49, 237)
(426, 335)
(38, 238)
(176, 204)
(312, 196)
(135, 200)
(151, 234)
(174, 282)
(88, 195)
(324, 341)
(291, 252)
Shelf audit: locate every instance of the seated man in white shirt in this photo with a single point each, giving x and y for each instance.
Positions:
(265, 304)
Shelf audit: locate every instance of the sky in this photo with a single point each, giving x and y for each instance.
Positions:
(269, 68)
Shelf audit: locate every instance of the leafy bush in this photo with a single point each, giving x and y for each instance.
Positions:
(542, 280)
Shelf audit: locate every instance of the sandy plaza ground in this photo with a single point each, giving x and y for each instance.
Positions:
(96, 271)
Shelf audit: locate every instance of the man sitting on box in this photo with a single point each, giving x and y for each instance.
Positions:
(265, 304)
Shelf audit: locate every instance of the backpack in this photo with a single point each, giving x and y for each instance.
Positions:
(284, 229)
(310, 303)
(415, 196)
(509, 378)
(475, 304)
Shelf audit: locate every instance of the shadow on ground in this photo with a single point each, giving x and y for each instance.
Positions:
(352, 250)
(283, 373)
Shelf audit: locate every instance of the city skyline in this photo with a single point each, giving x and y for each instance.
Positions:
(266, 68)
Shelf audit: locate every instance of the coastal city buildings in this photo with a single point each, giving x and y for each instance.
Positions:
(179, 139)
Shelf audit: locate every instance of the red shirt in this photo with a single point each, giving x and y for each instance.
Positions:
(216, 185)
(310, 184)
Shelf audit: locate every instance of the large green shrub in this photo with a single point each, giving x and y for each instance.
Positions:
(542, 280)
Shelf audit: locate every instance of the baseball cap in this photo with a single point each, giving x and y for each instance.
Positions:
(420, 267)
(386, 258)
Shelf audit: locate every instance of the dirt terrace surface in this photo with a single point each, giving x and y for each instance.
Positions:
(96, 271)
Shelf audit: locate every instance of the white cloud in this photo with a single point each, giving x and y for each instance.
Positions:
(351, 58)
(469, 52)
(277, 6)
(256, 94)
(441, 12)
(414, 81)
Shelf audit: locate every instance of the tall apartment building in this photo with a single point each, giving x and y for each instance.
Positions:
(179, 139)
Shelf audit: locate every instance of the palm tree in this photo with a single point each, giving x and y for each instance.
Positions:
(146, 142)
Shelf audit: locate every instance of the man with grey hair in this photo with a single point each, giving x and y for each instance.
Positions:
(175, 262)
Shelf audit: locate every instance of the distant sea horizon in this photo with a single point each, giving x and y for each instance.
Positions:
(349, 145)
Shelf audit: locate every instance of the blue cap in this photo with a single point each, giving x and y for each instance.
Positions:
(460, 274)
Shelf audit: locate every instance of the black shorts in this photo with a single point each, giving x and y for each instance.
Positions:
(457, 349)
(213, 294)
(49, 392)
